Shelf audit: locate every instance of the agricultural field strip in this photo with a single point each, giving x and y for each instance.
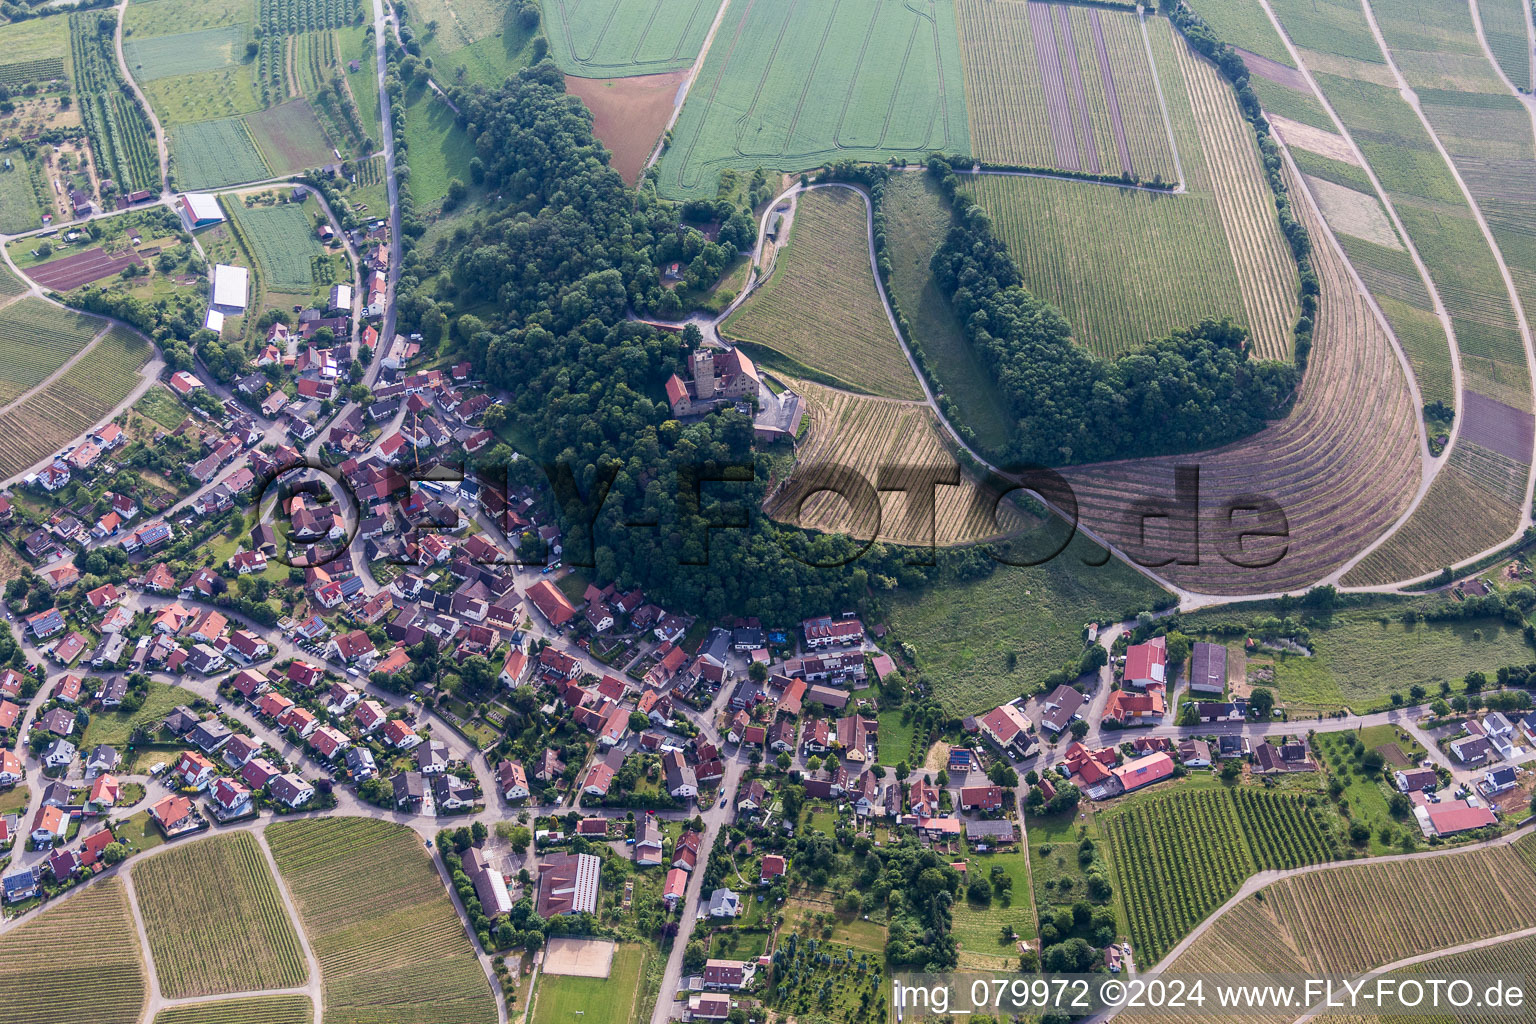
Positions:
(1427, 280)
(102, 978)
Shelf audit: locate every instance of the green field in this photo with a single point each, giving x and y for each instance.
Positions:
(35, 39)
(262, 1009)
(18, 201)
(84, 394)
(119, 131)
(558, 999)
(1178, 855)
(36, 338)
(208, 154)
(979, 927)
(283, 242)
(1360, 660)
(1504, 25)
(1089, 101)
(476, 42)
(439, 149)
(216, 921)
(821, 307)
(290, 137)
(613, 38)
(79, 961)
(186, 53)
(390, 944)
(1368, 793)
(917, 218)
(1099, 253)
(169, 17)
(788, 87)
(1244, 24)
(966, 633)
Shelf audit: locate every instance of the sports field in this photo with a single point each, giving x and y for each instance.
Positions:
(78, 961)
(610, 1000)
(208, 154)
(283, 242)
(613, 38)
(390, 945)
(789, 85)
(216, 921)
(1063, 86)
(821, 307)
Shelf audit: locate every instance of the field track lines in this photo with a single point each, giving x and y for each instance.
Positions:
(152, 998)
(890, 108)
(1482, 224)
(810, 75)
(709, 103)
(1162, 102)
(1111, 97)
(1058, 109)
(1067, 48)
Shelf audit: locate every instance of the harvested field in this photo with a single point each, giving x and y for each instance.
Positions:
(1342, 467)
(36, 338)
(1273, 70)
(867, 435)
(1305, 136)
(216, 921)
(78, 961)
(789, 85)
(262, 1009)
(1354, 213)
(1496, 426)
(582, 958)
(81, 397)
(1348, 919)
(390, 944)
(289, 137)
(821, 306)
(610, 38)
(71, 272)
(1091, 94)
(628, 114)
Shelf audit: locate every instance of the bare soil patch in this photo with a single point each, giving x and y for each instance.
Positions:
(71, 272)
(581, 958)
(1273, 70)
(628, 114)
(1294, 133)
(1393, 755)
(1496, 426)
(1354, 213)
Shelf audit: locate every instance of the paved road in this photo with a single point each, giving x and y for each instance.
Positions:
(387, 328)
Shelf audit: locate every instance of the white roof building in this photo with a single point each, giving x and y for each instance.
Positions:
(215, 321)
(230, 287)
(198, 209)
(341, 296)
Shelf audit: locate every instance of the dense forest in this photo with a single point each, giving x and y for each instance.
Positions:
(1196, 389)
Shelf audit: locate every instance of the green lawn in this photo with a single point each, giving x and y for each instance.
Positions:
(1368, 794)
(965, 633)
(558, 999)
(811, 917)
(979, 927)
(18, 202)
(114, 727)
(1361, 661)
(896, 739)
(160, 405)
(439, 150)
(917, 218)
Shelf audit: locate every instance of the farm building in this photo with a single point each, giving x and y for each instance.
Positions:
(230, 287)
(198, 210)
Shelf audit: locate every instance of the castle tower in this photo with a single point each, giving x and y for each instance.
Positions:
(704, 385)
